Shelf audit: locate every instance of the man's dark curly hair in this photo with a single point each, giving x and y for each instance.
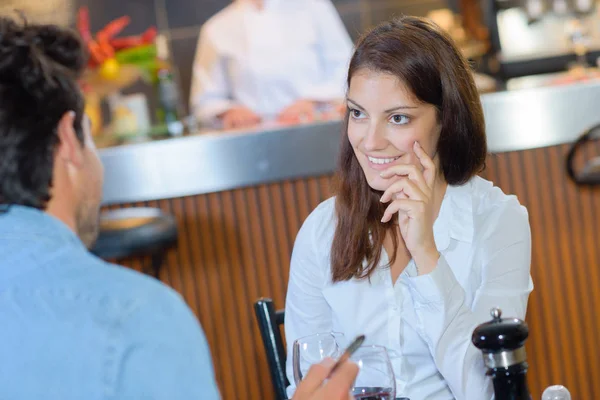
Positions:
(39, 69)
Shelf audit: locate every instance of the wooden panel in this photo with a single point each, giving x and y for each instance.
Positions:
(235, 246)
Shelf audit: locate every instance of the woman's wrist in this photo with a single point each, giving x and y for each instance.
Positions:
(426, 259)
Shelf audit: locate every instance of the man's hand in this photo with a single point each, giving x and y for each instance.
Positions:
(302, 111)
(314, 387)
(239, 117)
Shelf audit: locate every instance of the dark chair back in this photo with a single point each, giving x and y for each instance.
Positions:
(269, 322)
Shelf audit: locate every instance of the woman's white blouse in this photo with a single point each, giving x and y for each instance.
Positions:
(425, 321)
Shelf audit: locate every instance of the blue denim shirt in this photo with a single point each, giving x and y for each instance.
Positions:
(75, 327)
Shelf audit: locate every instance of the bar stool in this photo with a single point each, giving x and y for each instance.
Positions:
(132, 232)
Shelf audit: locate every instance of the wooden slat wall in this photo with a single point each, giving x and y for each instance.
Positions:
(235, 246)
(562, 315)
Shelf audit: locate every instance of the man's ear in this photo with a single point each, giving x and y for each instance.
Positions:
(69, 148)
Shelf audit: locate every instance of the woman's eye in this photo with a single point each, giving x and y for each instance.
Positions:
(356, 114)
(399, 119)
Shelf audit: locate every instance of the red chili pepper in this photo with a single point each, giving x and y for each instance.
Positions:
(106, 48)
(133, 41)
(126, 42)
(113, 28)
(96, 53)
(83, 24)
(149, 35)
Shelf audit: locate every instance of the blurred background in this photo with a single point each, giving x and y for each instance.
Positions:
(504, 39)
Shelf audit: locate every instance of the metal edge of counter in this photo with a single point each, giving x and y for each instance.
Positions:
(213, 162)
(206, 163)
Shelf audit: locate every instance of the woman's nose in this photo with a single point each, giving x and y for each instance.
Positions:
(375, 139)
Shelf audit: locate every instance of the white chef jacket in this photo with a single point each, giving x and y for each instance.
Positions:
(268, 59)
(426, 321)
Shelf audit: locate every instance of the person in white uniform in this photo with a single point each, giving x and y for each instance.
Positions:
(269, 60)
(415, 249)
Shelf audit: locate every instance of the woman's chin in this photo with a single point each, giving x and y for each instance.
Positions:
(379, 184)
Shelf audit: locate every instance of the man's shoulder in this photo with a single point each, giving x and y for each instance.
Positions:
(144, 314)
(115, 291)
(127, 286)
(139, 306)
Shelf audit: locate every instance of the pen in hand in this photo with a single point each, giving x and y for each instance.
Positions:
(356, 343)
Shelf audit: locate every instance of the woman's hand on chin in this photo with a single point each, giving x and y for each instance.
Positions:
(412, 198)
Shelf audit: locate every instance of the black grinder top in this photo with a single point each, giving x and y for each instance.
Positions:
(502, 340)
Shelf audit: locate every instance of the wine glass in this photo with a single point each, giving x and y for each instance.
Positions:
(375, 380)
(313, 349)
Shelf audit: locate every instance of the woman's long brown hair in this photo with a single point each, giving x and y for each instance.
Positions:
(428, 62)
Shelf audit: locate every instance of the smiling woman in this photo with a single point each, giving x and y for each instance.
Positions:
(414, 250)
(408, 83)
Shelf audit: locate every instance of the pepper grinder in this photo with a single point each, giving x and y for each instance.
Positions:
(502, 342)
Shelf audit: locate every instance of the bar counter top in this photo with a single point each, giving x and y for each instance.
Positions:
(212, 161)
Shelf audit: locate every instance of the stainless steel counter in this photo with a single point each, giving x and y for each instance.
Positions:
(211, 162)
